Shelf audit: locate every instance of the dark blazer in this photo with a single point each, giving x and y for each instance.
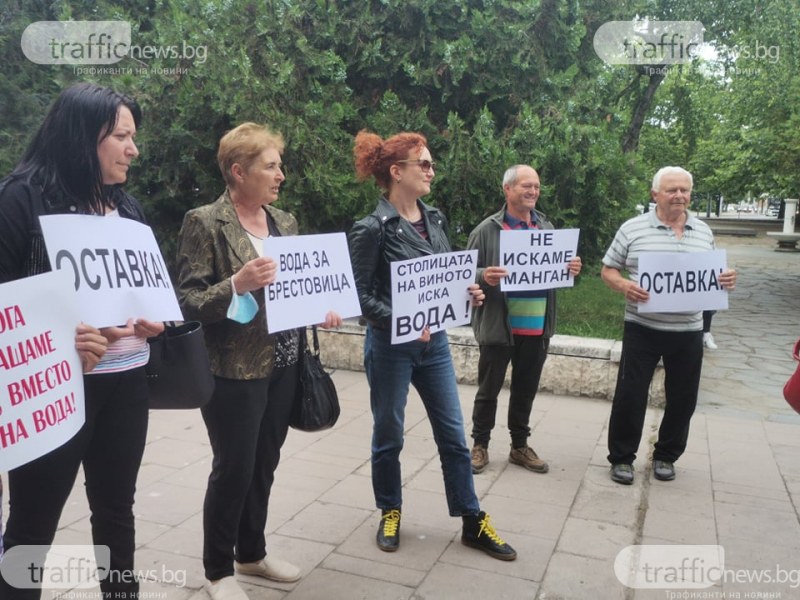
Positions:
(212, 246)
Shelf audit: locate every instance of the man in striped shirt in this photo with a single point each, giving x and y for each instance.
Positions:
(510, 327)
(675, 337)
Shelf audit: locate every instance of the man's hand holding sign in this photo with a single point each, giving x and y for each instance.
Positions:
(682, 281)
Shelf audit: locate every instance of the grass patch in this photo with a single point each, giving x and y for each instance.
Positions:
(590, 309)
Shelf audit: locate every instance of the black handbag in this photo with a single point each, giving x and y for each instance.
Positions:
(179, 371)
(316, 403)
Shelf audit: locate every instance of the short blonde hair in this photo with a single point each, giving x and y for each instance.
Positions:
(243, 145)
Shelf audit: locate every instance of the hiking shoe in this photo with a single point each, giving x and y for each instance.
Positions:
(708, 341)
(270, 568)
(478, 532)
(622, 473)
(480, 458)
(526, 457)
(663, 470)
(389, 530)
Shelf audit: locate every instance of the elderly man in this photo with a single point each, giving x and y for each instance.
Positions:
(677, 337)
(510, 327)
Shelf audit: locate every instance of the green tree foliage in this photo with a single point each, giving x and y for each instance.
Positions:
(491, 83)
(733, 119)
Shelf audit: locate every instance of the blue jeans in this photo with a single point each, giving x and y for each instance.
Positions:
(429, 367)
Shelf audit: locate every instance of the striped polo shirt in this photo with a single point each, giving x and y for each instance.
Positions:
(646, 233)
(526, 309)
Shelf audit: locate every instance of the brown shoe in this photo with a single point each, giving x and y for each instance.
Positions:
(480, 458)
(526, 457)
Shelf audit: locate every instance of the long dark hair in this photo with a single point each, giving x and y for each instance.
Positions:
(62, 156)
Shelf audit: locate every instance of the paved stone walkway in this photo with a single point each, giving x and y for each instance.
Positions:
(745, 376)
(738, 486)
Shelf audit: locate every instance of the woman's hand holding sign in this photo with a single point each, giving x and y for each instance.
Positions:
(91, 346)
(477, 294)
(255, 274)
(332, 320)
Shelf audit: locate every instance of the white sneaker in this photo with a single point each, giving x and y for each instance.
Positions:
(270, 568)
(226, 588)
(708, 341)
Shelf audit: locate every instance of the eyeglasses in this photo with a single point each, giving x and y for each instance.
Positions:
(425, 165)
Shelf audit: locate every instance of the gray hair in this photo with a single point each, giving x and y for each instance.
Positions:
(510, 176)
(670, 171)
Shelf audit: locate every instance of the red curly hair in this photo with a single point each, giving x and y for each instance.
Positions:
(374, 156)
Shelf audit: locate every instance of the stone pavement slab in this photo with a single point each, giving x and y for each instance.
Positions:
(744, 377)
(738, 485)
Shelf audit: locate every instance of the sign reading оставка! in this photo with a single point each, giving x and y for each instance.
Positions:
(116, 268)
(682, 281)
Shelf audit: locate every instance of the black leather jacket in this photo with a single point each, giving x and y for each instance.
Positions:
(381, 238)
(22, 248)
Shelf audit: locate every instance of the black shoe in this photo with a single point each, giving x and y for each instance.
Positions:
(663, 470)
(622, 473)
(479, 533)
(389, 530)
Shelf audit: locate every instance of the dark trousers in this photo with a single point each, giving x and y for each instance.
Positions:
(527, 357)
(642, 347)
(247, 422)
(707, 316)
(110, 446)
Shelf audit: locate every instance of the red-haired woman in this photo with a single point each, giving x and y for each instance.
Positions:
(403, 227)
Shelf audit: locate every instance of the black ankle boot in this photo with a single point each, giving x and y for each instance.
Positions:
(389, 530)
(479, 533)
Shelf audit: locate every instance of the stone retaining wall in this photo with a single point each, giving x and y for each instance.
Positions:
(576, 366)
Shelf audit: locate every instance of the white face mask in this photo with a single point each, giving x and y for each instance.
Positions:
(242, 308)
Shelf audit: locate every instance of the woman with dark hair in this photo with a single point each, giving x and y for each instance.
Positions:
(76, 164)
(400, 228)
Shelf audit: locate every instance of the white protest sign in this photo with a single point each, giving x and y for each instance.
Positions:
(682, 281)
(116, 268)
(431, 291)
(314, 276)
(41, 380)
(537, 259)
